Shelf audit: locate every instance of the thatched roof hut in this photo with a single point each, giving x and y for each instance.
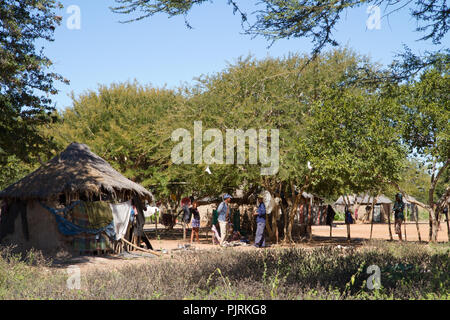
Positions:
(363, 200)
(76, 171)
(360, 206)
(39, 206)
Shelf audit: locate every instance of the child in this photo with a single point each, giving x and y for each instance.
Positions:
(195, 223)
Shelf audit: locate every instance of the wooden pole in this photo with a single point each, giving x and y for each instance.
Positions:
(139, 248)
(389, 225)
(374, 201)
(448, 227)
(404, 224)
(345, 214)
(371, 224)
(416, 217)
(157, 220)
(310, 217)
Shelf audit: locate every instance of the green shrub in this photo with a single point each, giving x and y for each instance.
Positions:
(408, 271)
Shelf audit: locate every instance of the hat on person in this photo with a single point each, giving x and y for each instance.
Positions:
(261, 195)
(226, 196)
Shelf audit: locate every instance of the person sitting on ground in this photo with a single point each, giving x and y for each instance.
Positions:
(195, 222)
(235, 234)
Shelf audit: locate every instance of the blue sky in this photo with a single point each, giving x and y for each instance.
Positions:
(163, 52)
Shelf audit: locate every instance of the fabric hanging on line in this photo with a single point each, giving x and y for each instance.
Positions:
(216, 233)
(150, 211)
(99, 214)
(236, 220)
(70, 229)
(330, 215)
(121, 215)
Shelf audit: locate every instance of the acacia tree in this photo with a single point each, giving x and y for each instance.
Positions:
(312, 19)
(343, 129)
(426, 101)
(120, 124)
(26, 85)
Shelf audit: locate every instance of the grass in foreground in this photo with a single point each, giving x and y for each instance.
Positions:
(408, 271)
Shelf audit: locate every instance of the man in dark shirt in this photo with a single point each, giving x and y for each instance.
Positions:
(260, 214)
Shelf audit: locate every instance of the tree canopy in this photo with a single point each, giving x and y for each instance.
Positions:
(345, 130)
(26, 85)
(312, 19)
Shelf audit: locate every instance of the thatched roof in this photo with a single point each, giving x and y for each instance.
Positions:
(365, 199)
(76, 170)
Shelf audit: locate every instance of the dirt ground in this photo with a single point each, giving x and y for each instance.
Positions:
(381, 231)
(170, 243)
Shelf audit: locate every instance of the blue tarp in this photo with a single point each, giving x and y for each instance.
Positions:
(70, 229)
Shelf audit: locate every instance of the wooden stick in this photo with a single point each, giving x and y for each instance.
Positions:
(371, 225)
(448, 227)
(416, 216)
(389, 224)
(139, 248)
(406, 239)
(374, 201)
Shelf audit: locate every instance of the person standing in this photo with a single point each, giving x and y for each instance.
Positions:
(348, 221)
(195, 222)
(260, 214)
(399, 206)
(224, 213)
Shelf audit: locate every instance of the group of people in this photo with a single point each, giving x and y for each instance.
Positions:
(224, 218)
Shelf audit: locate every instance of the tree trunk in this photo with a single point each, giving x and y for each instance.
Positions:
(374, 201)
(157, 220)
(435, 225)
(275, 212)
(430, 226)
(389, 224)
(417, 222)
(345, 214)
(286, 225)
(291, 224)
(288, 235)
(371, 225)
(404, 227)
(308, 221)
(331, 230)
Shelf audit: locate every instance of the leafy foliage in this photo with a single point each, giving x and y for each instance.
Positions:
(313, 19)
(121, 124)
(25, 83)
